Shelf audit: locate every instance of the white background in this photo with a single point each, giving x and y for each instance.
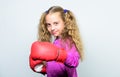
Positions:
(99, 24)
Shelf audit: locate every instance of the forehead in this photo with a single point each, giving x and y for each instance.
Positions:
(53, 17)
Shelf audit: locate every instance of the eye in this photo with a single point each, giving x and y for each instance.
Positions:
(55, 23)
(48, 25)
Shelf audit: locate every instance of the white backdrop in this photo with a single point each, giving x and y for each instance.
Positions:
(99, 23)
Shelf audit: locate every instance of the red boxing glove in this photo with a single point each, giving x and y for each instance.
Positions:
(48, 52)
(37, 65)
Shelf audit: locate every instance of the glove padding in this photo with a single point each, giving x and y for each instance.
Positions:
(47, 51)
(37, 65)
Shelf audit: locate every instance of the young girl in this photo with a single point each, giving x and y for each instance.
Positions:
(61, 24)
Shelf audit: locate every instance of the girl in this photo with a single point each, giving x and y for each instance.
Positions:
(61, 24)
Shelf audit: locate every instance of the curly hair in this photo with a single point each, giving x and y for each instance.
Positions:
(71, 28)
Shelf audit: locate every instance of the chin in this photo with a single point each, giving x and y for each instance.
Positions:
(55, 35)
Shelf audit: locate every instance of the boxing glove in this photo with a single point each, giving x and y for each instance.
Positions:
(47, 51)
(37, 65)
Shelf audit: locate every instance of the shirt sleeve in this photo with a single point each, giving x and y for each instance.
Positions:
(73, 56)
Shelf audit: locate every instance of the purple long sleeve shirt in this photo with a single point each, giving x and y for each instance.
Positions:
(67, 69)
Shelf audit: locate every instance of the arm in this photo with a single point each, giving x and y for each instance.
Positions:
(73, 56)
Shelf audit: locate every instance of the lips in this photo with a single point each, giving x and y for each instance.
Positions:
(53, 33)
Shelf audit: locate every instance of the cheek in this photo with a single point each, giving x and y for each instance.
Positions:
(49, 29)
(62, 28)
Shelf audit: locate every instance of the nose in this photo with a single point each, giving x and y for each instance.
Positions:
(52, 28)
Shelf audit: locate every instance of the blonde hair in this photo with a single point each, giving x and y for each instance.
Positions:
(71, 28)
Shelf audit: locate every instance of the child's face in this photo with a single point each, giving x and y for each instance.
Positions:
(55, 24)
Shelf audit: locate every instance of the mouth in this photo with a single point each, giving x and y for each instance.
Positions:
(53, 33)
